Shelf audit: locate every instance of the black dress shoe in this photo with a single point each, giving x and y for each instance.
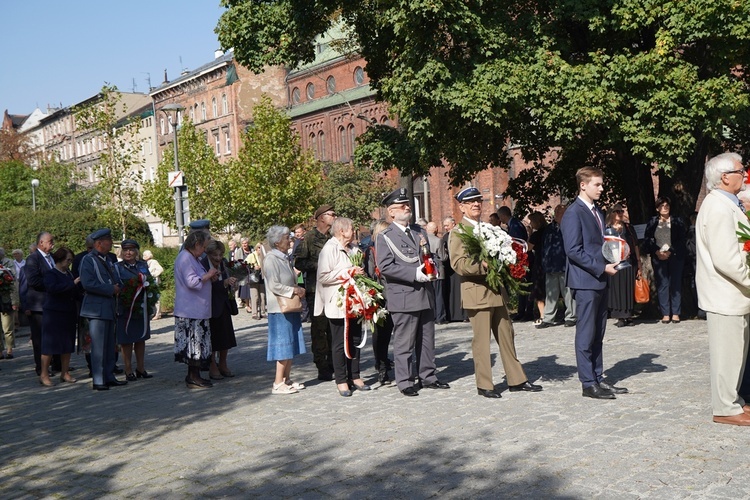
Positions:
(130, 377)
(569, 323)
(98, 387)
(116, 383)
(489, 393)
(525, 387)
(143, 374)
(410, 391)
(383, 377)
(437, 385)
(597, 392)
(611, 388)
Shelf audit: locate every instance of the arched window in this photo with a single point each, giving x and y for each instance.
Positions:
(322, 144)
(161, 125)
(192, 114)
(169, 120)
(224, 104)
(296, 95)
(331, 84)
(359, 75)
(310, 89)
(352, 136)
(214, 108)
(203, 111)
(314, 144)
(344, 156)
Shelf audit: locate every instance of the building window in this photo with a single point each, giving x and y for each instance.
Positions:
(359, 75)
(322, 144)
(179, 118)
(214, 108)
(150, 146)
(203, 111)
(169, 120)
(331, 85)
(296, 95)
(218, 143)
(192, 114)
(224, 105)
(352, 139)
(227, 141)
(161, 125)
(314, 144)
(344, 156)
(310, 89)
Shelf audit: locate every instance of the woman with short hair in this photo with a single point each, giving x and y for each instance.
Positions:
(192, 309)
(333, 263)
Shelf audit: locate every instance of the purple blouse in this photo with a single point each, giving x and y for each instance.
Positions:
(192, 296)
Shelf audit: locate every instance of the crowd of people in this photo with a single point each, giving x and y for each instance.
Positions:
(295, 276)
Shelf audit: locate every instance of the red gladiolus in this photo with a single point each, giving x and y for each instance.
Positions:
(746, 246)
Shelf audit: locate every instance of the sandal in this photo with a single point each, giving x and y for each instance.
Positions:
(282, 388)
(537, 322)
(296, 385)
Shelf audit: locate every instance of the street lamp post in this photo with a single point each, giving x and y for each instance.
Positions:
(168, 110)
(34, 185)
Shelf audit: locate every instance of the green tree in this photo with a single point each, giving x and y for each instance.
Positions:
(273, 180)
(15, 179)
(62, 187)
(208, 181)
(354, 191)
(624, 85)
(118, 164)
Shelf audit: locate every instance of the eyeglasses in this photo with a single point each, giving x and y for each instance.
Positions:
(743, 172)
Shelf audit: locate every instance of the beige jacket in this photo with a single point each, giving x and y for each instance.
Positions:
(722, 275)
(332, 262)
(280, 279)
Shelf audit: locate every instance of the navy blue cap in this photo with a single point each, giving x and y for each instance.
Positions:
(468, 194)
(104, 232)
(200, 224)
(129, 243)
(397, 197)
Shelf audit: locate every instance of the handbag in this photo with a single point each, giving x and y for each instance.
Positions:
(642, 290)
(287, 305)
(254, 276)
(233, 310)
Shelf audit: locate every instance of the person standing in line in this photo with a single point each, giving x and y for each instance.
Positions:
(100, 307)
(723, 280)
(453, 289)
(517, 230)
(156, 271)
(37, 263)
(553, 264)
(486, 309)
(621, 296)
(582, 230)
(411, 300)
(306, 260)
(9, 303)
(438, 255)
(381, 334)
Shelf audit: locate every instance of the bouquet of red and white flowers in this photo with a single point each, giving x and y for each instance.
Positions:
(743, 233)
(7, 281)
(360, 298)
(237, 269)
(506, 257)
(135, 293)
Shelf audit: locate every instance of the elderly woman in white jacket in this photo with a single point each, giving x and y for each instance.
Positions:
(285, 338)
(333, 263)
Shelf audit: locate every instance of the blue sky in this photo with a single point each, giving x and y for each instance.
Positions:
(58, 51)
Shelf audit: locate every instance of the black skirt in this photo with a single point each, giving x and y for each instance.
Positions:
(222, 332)
(621, 297)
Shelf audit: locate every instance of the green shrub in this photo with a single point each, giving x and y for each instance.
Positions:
(165, 257)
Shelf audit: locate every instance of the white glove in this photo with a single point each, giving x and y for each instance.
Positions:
(421, 276)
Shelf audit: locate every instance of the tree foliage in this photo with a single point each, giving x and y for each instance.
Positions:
(624, 85)
(118, 164)
(273, 180)
(354, 191)
(209, 186)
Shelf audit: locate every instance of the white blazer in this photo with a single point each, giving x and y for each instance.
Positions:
(332, 262)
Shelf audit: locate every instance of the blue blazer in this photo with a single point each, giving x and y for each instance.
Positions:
(98, 280)
(35, 279)
(583, 240)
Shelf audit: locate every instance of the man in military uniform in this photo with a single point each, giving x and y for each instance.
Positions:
(411, 299)
(306, 260)
(487, 309)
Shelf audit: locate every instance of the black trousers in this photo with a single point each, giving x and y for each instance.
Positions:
(345, 369)
(35, 323)
(381, 340)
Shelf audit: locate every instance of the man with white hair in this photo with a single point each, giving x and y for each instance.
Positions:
(723, 279)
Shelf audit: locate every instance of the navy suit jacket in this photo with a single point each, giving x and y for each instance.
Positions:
(35, 279)
(583, 240)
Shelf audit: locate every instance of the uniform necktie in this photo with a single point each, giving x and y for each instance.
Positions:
(50, 262)
(408, 233)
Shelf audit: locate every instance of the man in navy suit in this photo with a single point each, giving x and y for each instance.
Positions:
(37, 263)
(411, 298)
(99, 306)
(582, 228)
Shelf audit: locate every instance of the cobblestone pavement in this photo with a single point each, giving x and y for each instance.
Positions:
(155, 438)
